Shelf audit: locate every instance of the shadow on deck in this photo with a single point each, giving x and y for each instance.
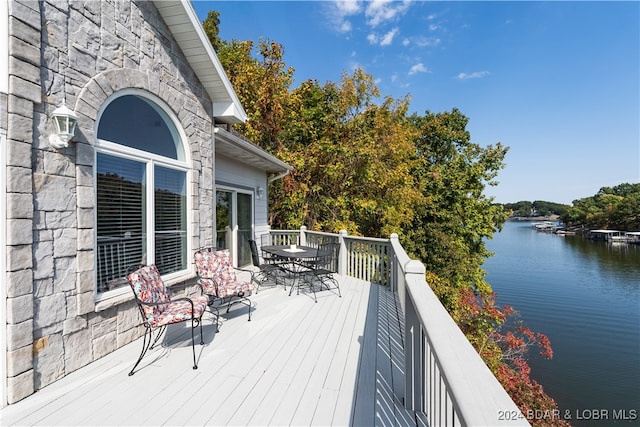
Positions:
(337, 362)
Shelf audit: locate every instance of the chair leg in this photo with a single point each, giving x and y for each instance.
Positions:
(146, 344)
(240, 299)
(193, 340)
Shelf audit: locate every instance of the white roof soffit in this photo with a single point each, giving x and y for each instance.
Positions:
(187, 30)
(233, 146)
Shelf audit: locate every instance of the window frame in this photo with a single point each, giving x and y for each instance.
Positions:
(150, 161)
(234, 190)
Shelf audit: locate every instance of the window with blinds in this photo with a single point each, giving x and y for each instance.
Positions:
(129, 166)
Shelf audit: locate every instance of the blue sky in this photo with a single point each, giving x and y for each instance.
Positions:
(557, 82)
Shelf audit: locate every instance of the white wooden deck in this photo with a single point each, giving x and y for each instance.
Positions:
(335, 362)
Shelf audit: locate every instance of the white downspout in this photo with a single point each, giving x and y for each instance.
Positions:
(277, 177)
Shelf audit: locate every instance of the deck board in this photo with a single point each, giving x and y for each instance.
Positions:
(334, 362)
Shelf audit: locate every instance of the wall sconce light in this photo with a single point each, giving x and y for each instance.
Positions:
(259, 192)
(65, 121)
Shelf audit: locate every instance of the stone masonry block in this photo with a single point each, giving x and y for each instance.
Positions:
(20, 386)
(50, 310)
(22, 107)
(43, 259)
(56, 163)
(19, 127)
(19, 231)
(54, 193)
(78, 351)
(20, 309)
(85, 239)
(86, 197)
(19, 283)
(29, 34)
(65, 275)
(85, 281)
(104, 345)
(19, 334)
(19, 154)
(19, 361)
(86, 261)
(24, 69)
(74, 325)
(86, 303)
(85, 218)
(65, 242)
(19, 205)
(19, 257)
(25, 89)
(18, 180)
(48, 363)
(24, 51)
(84, 175)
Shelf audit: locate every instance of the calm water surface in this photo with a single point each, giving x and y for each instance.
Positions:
(585, 296)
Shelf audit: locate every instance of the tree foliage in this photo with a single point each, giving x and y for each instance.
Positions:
(526, 208)
(611, 208)
(362, 164)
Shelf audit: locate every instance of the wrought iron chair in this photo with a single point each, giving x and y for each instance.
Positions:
(158, 309)
(324, 265)
(217, 278)
(267, 270)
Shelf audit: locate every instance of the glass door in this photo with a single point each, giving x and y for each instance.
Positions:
(245, 227)
(224, 209)
(234, 223)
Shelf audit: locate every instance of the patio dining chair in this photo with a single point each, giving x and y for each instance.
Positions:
(218, 279)
(159, 310)
(323, 267)
(267, 270)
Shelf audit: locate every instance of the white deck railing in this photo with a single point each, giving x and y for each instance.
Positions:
(445, 378)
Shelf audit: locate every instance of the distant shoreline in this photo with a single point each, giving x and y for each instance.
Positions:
(535, 218)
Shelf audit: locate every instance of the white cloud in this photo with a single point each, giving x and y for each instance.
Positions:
(380, 11)
(340, 10)
(387, 39)
(474, 75)
(426, 41)
(418, 68)
(384, 40)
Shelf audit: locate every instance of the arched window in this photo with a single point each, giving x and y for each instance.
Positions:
(141, 191)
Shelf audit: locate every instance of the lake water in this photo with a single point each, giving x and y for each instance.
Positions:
(585, 296)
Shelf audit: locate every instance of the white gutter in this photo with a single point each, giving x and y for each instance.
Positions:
(277, 177)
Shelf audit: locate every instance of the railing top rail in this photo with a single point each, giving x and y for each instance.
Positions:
(366, 239)
(468, 378)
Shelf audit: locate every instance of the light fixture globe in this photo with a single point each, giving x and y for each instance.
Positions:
(65, 121)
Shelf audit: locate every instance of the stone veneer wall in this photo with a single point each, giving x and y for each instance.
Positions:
(80, 52)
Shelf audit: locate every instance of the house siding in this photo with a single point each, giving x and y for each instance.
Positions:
(79, 53)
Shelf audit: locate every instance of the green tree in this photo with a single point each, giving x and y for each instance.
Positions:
(455, 216)
(611, 208)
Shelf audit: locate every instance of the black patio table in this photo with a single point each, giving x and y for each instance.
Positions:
(296, 260)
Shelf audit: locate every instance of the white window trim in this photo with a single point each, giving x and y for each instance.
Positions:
(108, 299)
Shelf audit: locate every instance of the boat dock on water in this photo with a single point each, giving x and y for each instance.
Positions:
(615, 236)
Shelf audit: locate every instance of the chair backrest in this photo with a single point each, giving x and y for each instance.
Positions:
(328, 256)
(215, 265)
(148, 287)
(255, 256)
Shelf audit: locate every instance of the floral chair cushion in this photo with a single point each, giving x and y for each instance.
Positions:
(150, 289)
(218, 276)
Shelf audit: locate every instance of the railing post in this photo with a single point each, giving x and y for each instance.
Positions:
(343, 256)
(303, 235)
(393, 261)
(413, 351)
